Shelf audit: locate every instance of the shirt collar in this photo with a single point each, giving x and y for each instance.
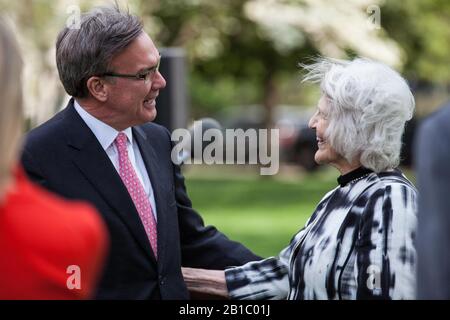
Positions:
(104, 133)
(354, 175)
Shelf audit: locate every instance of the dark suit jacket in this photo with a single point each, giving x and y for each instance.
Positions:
(433, 238)
(64, 156)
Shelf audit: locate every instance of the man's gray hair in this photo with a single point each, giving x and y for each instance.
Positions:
(85, 52)
(368, 105)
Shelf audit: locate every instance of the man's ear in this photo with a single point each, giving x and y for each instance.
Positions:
(97, 88)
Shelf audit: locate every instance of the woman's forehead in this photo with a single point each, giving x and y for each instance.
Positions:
(323, 103)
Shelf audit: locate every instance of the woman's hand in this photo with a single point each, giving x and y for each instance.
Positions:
(206, 283)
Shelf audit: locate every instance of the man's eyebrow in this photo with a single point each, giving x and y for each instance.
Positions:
(145, 69)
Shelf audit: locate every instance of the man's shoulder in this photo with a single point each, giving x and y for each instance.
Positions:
(153, 128)
(51, 130)
(158, 135)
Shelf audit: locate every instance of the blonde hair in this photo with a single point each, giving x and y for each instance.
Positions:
(11, 114)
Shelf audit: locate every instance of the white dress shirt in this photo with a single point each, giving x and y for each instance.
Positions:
(106, 136)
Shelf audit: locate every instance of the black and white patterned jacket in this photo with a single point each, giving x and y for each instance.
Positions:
(358, 244)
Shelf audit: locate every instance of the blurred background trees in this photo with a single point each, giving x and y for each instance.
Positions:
(422, 29)
(243, 52)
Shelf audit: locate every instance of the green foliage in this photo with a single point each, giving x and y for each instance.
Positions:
(231, 58)
(212, 95)
(264, 214)
(422, 29)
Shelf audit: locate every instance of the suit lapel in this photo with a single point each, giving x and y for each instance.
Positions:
(151, 164)
(96, 166)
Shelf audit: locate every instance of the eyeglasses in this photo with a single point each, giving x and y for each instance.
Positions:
(146, 75)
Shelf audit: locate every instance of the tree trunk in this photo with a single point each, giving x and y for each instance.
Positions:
(270, 99)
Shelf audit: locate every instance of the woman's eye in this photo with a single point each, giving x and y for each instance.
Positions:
(323, 115)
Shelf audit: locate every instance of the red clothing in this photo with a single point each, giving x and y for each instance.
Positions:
(41, 236)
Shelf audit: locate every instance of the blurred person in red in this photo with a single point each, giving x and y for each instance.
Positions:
(49, 248)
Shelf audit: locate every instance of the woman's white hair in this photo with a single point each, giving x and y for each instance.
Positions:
(368, 105)
(10, 105)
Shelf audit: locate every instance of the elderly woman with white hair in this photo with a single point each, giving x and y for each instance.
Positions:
(359, 242)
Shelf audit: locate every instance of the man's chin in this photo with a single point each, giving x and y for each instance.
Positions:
(153, 115)
(150, 115)
(144, 118)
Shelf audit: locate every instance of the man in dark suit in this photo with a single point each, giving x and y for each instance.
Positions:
(103, 148)
(433, 238)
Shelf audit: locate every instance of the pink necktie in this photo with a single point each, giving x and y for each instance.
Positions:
(136, 191)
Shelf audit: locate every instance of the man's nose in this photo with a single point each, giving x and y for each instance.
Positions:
(159, 82)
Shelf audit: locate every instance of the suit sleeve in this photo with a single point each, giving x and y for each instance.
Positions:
(204, 246)
(432, 161)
